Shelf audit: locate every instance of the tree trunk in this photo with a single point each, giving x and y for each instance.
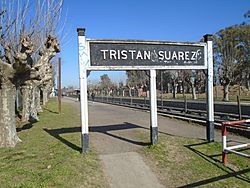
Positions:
(248, 84)
(239, 90)
(19, 100)
(30, 108)
(45, 96)
(226, 92)
(33, 106)
(38, 100)
(130, 92)
(174, 90)
(194, 97)
(8, 134)
(168, 87)
(26, 93)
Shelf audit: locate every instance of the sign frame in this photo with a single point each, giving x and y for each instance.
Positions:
(85, 66)
(148, 67)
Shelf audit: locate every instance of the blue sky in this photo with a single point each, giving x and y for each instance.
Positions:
(179, 20)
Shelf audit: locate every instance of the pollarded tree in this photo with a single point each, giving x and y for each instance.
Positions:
(18, 33)
(15, 67)
(47, 47)
(31, 88)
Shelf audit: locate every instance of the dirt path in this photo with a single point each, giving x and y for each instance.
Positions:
(115, 133)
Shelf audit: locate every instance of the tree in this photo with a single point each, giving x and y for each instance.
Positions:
(31, 88)
(190, 79)
(247, 16)
(106, 84)
(244, 48)
(136, 79)
(42, 59)
(228, 48)
(15, 67)
(174, 79)
(20, 40)
(166, 80)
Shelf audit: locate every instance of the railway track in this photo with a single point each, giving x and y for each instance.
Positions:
(192, 111)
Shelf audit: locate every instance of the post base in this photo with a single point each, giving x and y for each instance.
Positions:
(85, 143)
(210, 131)
(153, 135)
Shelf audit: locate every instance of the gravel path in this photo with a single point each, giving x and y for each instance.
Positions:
(115, 133)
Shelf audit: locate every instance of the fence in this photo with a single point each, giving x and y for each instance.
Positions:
(231, 149)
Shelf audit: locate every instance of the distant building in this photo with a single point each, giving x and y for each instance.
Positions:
(71, 92)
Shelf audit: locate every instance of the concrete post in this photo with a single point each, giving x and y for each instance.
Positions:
(83, 64)
(153, 109)
(210, 99)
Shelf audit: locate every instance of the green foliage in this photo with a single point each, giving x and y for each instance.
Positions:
(106, 84)
(137, 79)
(232, 49)
(247, 14)
(232, 56)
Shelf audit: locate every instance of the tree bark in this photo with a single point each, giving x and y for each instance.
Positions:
(8, 134)
(194, 97)
(168, 87)
(248, 85)
(130, 92)
(45, 96)
(226, 92)
(174, 87)
(33, 104)
(26, 94)
(31, 101)
(38, 100)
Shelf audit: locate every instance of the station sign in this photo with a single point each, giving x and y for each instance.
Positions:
(98, 54)
(148, 54)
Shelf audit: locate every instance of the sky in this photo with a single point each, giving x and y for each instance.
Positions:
(167, 20)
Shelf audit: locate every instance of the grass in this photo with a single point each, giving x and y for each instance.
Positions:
(49, 154)
(192, 163)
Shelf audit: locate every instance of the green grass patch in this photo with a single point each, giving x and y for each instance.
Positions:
(192, 163)
(50, 154)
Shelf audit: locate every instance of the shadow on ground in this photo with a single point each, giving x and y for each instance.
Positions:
(106, 129)
(51, 111)
(213, 160)
(56, 133)
(26, 126)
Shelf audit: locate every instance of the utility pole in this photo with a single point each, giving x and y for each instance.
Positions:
(59, 93)
(162, 89)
